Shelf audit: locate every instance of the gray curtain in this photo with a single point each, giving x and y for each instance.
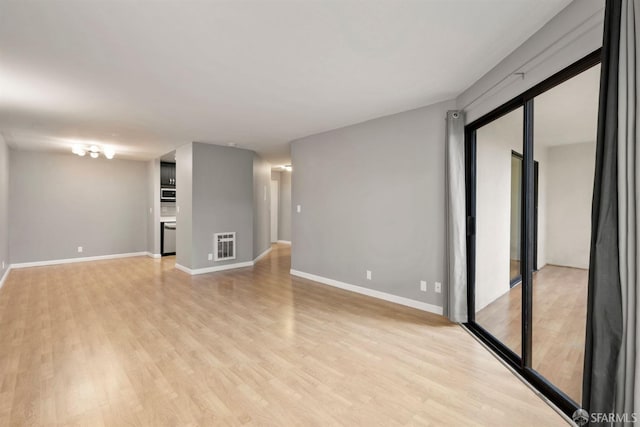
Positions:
(604, 313)
(627, 395)
(455, 304)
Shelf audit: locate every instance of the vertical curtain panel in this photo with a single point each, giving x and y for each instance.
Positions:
(455, 304)
(627, 395)
(604, 318)
(604, 312)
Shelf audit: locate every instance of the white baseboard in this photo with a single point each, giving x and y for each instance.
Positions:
(262, 255)
(73, 260)
(5, 275)
(154, 256)
(370, 292)
(213, 269)
(286, 242)
(183, 268)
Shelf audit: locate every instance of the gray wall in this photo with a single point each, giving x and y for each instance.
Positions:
(261, 205)
(222, 201)
(4, 207)
(372, 198)
(284, 207)
(184, 205)
(61, 201)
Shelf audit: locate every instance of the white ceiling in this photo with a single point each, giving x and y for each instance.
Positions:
(148, 76)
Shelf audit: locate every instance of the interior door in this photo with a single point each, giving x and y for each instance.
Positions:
(515, 270)
(515, 274)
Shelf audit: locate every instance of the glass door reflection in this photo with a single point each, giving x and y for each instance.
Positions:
(565, 128)
(498, 306)
(515, 275)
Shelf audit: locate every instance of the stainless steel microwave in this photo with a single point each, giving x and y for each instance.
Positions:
(167, 194)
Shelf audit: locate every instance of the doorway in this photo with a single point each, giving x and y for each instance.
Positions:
(275, 197)
(515, 274)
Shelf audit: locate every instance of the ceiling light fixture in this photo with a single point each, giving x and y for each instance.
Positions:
(78, 149)
(93, 150)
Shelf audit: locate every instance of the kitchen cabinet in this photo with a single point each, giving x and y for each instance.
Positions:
(167, 175)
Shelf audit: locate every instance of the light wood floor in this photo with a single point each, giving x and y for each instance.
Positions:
(559, 322)
(136, 342)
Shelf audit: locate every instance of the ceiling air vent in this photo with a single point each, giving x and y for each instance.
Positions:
(225, 246)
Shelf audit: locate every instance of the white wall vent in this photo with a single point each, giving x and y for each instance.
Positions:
(224, 246)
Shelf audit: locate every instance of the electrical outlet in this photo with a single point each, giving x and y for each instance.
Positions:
(210, 257)
(265, 192)
(150, 210)
(438, 287)
(368, 274)
(299, 208)
(80, 249)
(423, 285)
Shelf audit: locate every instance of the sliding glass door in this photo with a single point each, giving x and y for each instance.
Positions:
(564, 140)
(530, 178)
(498, 229)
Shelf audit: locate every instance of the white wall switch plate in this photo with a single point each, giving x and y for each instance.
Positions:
(177, 209)
(299, 208)
(368, 275)
(423, 285)
(438, 287)
(3, 265)
(210, 257)
(80, 249)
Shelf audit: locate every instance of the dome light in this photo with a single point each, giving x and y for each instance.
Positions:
(108, 152)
